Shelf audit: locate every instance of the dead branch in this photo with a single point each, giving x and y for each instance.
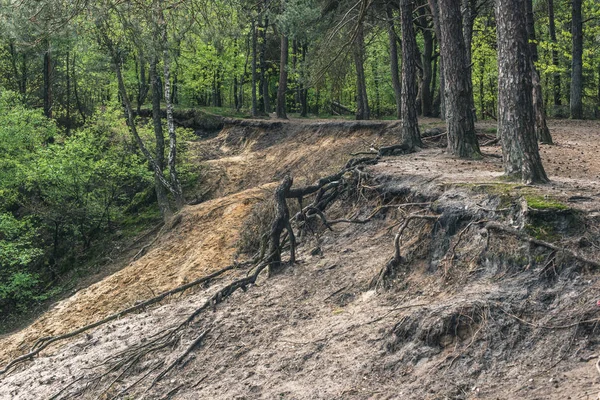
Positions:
(525, 237)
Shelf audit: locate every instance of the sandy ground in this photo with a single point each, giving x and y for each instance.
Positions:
(316, 331)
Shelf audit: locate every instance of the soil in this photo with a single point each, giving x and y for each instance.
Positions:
(470, 314)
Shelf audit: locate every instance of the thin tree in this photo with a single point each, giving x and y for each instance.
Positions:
(541, 128)
(283, 74)
(576, 61)
(410, 124)
(397, 86)
(362, 103)
(516, 118)
(462, 141)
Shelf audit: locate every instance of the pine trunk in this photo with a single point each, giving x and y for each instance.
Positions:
(435, 11)
(516, 118)
(394, 61)
(410, 124)
(362, 103)
(555, 62)
(577, 61)
(283, 74)
(541, 128)
(462, 141)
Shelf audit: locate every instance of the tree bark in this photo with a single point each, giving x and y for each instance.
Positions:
(435, 11)
(555, 61)
(426, 63)
(303, 89)
(468, 19)
(362, 102)
(283, 74)
(142, 83)
(254, 77)
(541, 128)
(394, 61)
(172, 159)
(462, 141)
(576, 104)
(47, 79)
(264, 81)
(410, 124)
(159, 189)
(516, 119)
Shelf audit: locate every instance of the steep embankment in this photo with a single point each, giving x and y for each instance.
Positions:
(472, 311)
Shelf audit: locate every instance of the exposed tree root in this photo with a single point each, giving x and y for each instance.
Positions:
(523, 236)
(397, 259)
(44, 342)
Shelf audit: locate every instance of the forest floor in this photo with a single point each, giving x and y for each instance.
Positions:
(519, 323)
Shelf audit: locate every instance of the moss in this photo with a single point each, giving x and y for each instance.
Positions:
(544, 203)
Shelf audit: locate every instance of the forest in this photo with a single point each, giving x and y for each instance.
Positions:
(92, 152)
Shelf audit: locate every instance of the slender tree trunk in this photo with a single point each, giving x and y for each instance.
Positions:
(142, 83)
(552, 28)
(264, 79)
(516, 117)
(173, 175)
(541, 128)
(394, 61)
(303, 89)
(362, 103)
(426, 64)
(76, 92)
(23, 86)
(68, 101)
(462, 141)
(577, 61)
(283, 74)
(47, 79)
(435, 11)
(468, 19)
(254, 77)
(410, 124)
(159, 189)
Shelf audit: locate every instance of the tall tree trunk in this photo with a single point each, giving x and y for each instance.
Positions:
(577, 61)
(283, 74)
(303, 89)
(362, 103)
(397, 86)
(159, 189)
(469, 13)
(173, 175)
(76, 92)
(142, 83)
(68, 101)
(264, 79)
(516, 118)
(462, 141)
(47, 79)
(410, 124)
(426, 63)
(254, 77)
(435, 12)
(541, 128)
(555, 62)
